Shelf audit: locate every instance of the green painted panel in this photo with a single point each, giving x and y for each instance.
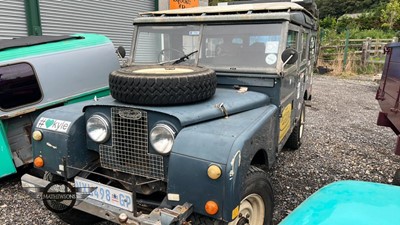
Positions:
(32, 12)
(7, 165)
(349, 203)
(54, 47)
(78, 98)
(90, 96)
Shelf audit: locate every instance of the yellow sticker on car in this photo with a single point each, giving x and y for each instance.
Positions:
(285, 122)
(235, 212)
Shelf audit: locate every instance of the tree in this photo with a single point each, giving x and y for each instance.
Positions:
(337, 8)
(391, 14)
(328, 22)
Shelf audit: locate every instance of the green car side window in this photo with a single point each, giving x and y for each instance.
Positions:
(18, 86)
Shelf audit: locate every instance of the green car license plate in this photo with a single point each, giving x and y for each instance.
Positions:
(107, 194)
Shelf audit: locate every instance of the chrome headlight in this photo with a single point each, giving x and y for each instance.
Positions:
(98, 128)
(162, 138)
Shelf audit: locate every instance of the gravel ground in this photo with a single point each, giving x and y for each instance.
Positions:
(341, 142)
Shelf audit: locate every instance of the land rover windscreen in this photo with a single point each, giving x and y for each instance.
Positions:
(222, 47)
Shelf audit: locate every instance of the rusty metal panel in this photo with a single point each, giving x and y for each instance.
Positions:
(19, 139)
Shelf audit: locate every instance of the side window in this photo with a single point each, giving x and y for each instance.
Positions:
(312, 47)
(292, 39)
(18, 86)
(304, 46)
(213, 47)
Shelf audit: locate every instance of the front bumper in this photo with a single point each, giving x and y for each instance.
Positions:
(159, 216)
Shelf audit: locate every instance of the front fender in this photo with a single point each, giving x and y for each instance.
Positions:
(229, 143)
(64, 139)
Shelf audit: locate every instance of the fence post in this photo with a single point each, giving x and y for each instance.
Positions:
(321, 35)
(395, 39)
(346, 49)
(365, 51)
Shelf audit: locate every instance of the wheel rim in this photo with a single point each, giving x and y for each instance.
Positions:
(251, 207)
(301, 124)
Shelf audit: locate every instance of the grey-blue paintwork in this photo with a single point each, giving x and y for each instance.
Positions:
(206, 137)
(233, 101)
(230, 143)
(70, 146)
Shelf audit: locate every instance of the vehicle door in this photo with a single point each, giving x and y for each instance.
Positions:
(288, 92)
(304, 65)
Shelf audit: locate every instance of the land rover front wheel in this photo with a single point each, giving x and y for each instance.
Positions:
(257, 199)
(162, 85)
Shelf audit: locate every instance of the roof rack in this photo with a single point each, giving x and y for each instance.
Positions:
(230, 9)
(309, 5)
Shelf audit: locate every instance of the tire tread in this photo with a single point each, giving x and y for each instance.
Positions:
(168, 89)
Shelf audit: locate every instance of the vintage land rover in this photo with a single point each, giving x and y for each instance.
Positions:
(38, 73)
(208, 99)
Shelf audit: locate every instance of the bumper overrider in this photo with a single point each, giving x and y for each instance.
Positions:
(161, 216)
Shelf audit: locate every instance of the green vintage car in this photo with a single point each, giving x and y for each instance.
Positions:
(349, 203)
(41, 72)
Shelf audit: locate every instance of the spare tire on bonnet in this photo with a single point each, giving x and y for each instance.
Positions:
(162, 85)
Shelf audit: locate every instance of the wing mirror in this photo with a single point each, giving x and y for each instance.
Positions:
(121, 52)
(289, 56)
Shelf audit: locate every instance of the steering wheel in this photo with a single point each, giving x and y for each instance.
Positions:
(170, 50)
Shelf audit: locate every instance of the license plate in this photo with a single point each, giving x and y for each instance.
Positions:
(107, 194)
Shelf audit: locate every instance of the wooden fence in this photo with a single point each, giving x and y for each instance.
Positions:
(361, 51)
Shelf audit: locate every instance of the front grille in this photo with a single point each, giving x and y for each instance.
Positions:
(130, 150)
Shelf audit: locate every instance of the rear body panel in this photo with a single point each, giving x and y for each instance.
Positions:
(65, 71)
(388, 94)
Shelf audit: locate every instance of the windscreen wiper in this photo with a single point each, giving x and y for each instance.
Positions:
(184, 58)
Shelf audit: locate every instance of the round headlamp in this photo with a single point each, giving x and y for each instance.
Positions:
(98, 128)
(162, 138)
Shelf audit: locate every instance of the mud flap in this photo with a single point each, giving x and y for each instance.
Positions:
(384, 121)
(7, 165)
